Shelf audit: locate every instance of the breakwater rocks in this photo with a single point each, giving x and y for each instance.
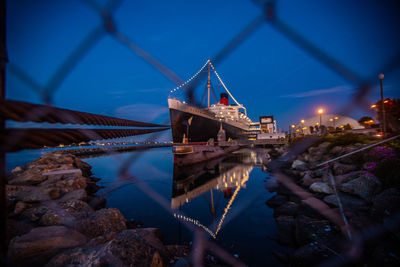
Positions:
(55, 219)
(370, 204)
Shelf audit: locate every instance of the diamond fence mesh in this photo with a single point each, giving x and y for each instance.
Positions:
(201, 241)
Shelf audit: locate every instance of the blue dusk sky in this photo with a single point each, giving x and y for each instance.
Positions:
(267, 72)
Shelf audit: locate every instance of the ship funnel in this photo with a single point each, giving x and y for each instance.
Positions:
(224, 99)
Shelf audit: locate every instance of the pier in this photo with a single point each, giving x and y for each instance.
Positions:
(252, 143)
(98, 151)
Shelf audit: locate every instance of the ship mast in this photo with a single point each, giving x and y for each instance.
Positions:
(208, 86)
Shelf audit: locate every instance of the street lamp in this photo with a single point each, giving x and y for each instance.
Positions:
(320, 111)
(302, 126)
(381, 76)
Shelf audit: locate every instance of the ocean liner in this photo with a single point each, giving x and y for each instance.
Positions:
(201, 124)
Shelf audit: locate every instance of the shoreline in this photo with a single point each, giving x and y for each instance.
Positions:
(55, 218)
(321, 211)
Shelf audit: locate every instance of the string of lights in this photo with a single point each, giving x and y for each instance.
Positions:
(191, 78)
(223, 84)
(230, 203)
(196, 222)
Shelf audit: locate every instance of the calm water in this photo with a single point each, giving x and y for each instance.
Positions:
(226, 196)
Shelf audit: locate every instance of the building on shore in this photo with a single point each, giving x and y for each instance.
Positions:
(327, 121)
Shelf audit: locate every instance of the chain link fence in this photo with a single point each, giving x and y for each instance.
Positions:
(268, 15)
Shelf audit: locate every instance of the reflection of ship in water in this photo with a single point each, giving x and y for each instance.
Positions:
(222, 174)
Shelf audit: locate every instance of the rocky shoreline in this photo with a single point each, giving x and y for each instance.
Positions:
(55, 219)
(367, 201)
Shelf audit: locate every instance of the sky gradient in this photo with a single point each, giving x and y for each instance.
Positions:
(267, 73)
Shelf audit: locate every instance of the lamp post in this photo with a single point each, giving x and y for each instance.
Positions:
(320, 111)
(302, 126)
(293, 126)
(381, 76)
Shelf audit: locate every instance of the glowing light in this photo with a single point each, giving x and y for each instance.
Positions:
(336, 118)
(293, 126)
(386, 101)
(320, 111)
(191, 78)
(302, 121)
(373, 106)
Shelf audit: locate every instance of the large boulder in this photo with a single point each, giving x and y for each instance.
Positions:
(386, 204)
(135, 247)
(365, 186)
(344, 178)
(276, 201)
(308, 179)
(79, 194)
(102, 222)
(285, 230)
(65, 183)
(321, 187)
(65, 213)
(299, 165)
(348, 202)
(288, 208)
(339, 168)
(40, 244)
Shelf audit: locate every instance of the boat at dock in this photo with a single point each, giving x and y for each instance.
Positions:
(185, 154)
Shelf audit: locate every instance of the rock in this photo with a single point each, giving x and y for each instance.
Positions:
(344, 178)
(66, 183)
(17, 170)
(276, 201)
(57, 217)
(35, 213)
(307, 210)
(299, 165)
(285, 230)
(309, 230)
(339, 168)
(177, 252)
(386, 204)
(37, 246)
(101, 222)
(77, 208)
(17, 227)
(321, 187)
(319, 172)
(365, 186)
(27, 177)
(136, 247)
(20, 207)
(79, 194)
(97, 202)
(348, 202)
(288, 208)
(38, 194)
(312, 254)
(323, 146)
(85, 167)
(308, 179)
(336, 151)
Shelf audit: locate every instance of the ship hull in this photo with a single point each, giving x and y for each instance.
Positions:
(201, 128)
